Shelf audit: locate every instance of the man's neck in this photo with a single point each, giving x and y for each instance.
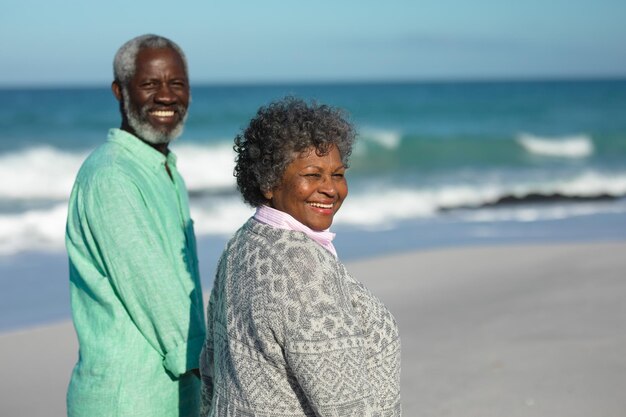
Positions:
(161, 147)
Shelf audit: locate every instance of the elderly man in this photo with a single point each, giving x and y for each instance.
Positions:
(135, 289)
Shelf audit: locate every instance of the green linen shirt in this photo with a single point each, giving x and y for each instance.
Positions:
(134, 284)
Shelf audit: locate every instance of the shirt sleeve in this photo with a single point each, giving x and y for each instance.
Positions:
(207, 357)
(324, 344)
(158, 292)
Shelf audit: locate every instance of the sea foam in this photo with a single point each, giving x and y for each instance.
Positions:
(39, 173)
(368, 207)
(579, 146)
(388, 139)
(44, 172)
(206, 167)
(33, 230)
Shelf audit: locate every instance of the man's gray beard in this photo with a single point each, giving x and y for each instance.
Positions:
(145, 130)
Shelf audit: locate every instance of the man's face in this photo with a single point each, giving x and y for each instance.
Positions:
(156, 99)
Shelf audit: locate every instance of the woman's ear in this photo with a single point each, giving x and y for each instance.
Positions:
(268, 195)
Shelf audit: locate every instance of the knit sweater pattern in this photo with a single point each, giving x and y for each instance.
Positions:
(291, 333)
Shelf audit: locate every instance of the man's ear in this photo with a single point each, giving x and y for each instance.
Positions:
(268, 195)
(117, 90)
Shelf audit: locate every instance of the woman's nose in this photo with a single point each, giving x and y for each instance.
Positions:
(327, 186)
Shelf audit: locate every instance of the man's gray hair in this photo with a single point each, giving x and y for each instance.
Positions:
(124, 63)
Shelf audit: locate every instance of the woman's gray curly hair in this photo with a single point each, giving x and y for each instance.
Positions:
(124, 63)
(277, 134)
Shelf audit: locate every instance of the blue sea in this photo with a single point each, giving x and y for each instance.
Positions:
(436, 164)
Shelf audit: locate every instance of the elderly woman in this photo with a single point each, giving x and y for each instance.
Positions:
(290, 332)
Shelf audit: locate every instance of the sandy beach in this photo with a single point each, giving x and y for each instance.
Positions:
(535, 330)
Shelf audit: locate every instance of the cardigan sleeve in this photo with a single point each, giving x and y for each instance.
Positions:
(324, 343)
(207, 373)
(207, 357)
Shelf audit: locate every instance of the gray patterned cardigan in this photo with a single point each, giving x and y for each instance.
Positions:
(291, 333)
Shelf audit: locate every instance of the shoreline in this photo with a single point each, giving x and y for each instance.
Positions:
(516, 329)
(40, 296)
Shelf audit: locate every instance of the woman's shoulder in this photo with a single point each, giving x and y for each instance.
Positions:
(284, 254)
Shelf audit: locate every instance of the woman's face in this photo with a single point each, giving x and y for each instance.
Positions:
(312, 188)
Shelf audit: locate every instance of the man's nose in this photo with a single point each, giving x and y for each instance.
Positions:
(165, 94)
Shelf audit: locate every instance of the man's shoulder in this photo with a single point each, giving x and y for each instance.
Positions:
(106, 161)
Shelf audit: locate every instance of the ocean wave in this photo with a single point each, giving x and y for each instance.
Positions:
(33, 230)
(48, 173)
(526, 214)
(206, 167)
(220, 216)
(42, 172)
(384, 207)
(375, 208)
(388, 139)
(381, 207)
(579, 146)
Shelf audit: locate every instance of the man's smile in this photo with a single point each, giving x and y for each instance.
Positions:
(162, 113)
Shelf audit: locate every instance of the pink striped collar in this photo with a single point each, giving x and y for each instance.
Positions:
(282, 220)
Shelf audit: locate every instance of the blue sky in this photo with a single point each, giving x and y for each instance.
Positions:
(72, 42)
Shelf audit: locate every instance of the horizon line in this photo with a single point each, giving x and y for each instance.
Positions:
(340, 81)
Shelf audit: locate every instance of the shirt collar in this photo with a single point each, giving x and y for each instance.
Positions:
(282, 220)
(141, 150)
